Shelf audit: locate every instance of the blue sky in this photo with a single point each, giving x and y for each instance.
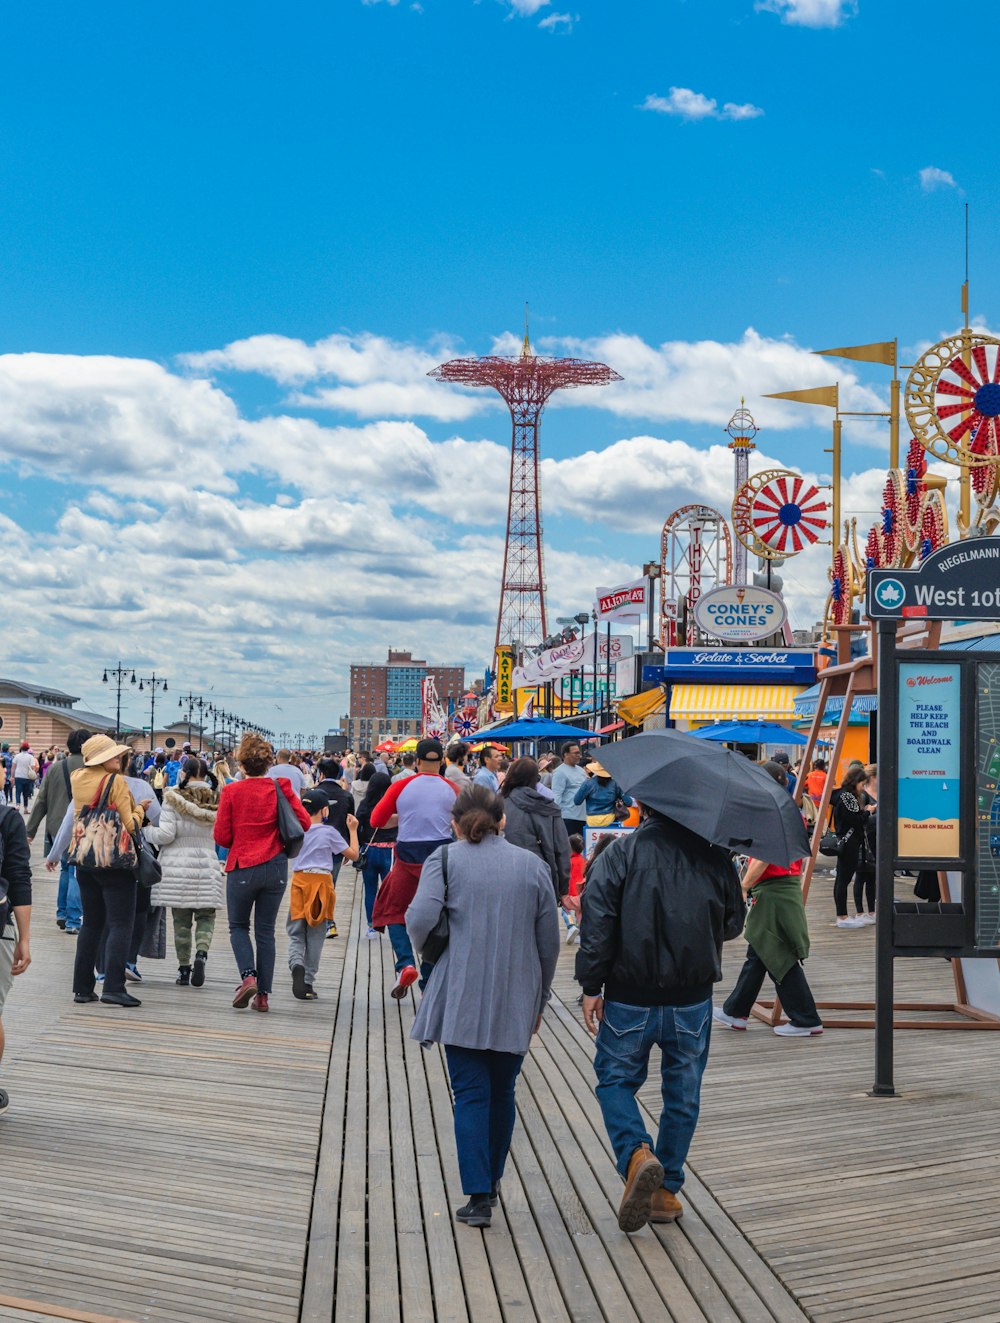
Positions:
(655, 176)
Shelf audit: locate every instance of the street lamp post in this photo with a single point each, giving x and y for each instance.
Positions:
(188, 701)
(152, 683)
(119, 673)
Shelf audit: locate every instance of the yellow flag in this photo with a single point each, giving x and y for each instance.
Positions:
(882, 352)
(816, 395)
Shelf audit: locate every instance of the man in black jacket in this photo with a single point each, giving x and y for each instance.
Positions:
(15, 906)
(657, 907)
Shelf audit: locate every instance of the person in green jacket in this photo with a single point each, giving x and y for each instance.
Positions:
(778, 942)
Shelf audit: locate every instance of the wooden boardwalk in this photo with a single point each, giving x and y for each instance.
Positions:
(186, 1162)
(384, 1244)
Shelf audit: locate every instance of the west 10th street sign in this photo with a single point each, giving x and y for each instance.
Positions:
(957, 582)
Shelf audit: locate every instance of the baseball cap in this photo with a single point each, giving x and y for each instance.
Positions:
(429, 751)
(780, 758)
(313, 801)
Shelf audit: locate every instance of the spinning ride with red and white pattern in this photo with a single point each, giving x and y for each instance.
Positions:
(788, 514)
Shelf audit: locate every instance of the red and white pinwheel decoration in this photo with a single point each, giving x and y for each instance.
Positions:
(788, 514)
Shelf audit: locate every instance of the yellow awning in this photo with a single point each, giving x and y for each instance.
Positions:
(634, 710)
(733, 702)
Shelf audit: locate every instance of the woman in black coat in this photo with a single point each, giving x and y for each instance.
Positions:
(534, 822)
(850, 822)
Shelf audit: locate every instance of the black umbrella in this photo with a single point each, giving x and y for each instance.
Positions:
(714, 792)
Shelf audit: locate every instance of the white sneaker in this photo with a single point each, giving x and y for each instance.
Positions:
(851, 923)
(571, 932)
(797, 1030)
(866, 920)
(727, 1021)
(373, 935)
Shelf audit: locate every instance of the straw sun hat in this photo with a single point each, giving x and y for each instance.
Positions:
(101, 749)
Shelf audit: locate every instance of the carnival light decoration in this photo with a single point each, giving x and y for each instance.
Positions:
(953, 399)
(788, 514)
(778, 513)
(844, 588)
(913, 520)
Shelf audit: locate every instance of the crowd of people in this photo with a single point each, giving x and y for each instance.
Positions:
(459, 854)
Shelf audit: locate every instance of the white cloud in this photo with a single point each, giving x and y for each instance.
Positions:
(559, 22)
(810, 13)
(685, 104)
(527, 8)
(375, 377)
(932, 179)
(115, 421)
(701, 381)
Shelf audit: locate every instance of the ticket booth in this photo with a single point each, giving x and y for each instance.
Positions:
(939, 765)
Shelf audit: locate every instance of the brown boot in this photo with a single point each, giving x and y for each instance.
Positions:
(665, 1206)
(644, 1176)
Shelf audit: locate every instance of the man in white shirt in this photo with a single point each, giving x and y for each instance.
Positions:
(285, 769)
(25, 768)
(566, 780)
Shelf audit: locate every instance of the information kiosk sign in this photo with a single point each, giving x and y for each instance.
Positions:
(939, 772)
(928, 809)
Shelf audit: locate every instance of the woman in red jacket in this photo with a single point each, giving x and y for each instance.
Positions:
(256, 867)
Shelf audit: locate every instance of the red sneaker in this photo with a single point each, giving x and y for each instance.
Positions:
(260, 1002)
(246, 991)
(407, 976)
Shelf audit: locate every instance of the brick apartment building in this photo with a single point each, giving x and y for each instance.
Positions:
(386, 698)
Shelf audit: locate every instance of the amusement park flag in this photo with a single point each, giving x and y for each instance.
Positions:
(625, 602)
(884, 351)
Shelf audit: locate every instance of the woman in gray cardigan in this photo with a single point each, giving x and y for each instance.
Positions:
(485, 996)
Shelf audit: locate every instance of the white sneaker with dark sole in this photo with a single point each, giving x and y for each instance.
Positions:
(728, 1021)
(797, 1030)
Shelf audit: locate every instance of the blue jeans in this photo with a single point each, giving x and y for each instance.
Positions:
(624, 1041)
(256, 890)
(378, 861)
(68, 904)
(483, 1085)
(401, 945)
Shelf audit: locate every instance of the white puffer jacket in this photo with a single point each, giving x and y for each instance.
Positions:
(192, 874)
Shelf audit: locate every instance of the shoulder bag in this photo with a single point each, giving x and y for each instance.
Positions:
(436, 941)
(147, 869)
(291, 831)
(100, 838)
(830, 844)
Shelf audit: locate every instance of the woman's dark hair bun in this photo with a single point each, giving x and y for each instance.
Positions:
(478, 813)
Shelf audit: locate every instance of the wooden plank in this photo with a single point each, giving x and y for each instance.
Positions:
(411, 1244)
(352, 1229)
(509, 1285)
(319, 1279)
(383, 1138)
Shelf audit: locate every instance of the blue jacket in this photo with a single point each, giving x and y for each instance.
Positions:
(600, 795)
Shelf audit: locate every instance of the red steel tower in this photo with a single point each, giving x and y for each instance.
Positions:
(525, 382)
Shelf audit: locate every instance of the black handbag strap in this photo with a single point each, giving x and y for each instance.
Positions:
(444, 870)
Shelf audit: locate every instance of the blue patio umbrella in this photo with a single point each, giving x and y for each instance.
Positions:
(536, 728)
(750, 732)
